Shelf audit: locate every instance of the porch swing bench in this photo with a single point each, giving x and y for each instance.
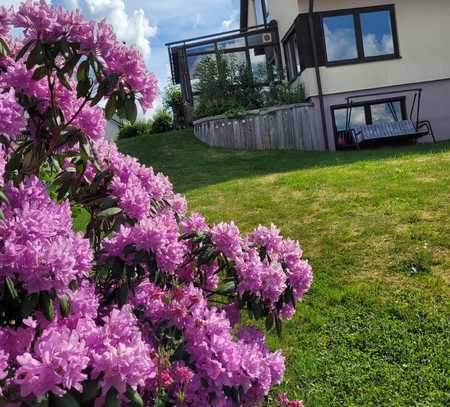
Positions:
(412, 127)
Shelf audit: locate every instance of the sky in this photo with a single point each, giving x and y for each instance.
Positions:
(149, 24)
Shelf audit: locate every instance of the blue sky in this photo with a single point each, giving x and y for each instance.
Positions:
(151, 23)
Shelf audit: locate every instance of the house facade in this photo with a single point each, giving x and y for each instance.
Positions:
(378, 53)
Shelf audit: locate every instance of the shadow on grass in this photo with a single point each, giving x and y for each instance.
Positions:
(191, 164)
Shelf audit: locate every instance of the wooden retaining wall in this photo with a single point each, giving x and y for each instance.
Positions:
(284, 127)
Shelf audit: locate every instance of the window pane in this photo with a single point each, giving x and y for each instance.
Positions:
(297, 54)
(377, 33)
(357, 118)
(259, 12)
(259, 66)
(340, 38)
(233, 43)
(386, 112)
(201, 48)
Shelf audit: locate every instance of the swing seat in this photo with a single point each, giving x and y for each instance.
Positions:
(379, 131)
(412, 127)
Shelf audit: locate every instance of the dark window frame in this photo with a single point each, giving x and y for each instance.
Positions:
(356, 13)
(368, 113)
(289, 49)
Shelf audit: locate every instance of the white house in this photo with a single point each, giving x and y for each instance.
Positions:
(385, 59)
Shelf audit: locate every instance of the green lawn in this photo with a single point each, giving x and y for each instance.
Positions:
(374, 328)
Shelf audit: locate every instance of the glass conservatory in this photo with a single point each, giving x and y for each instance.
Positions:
(257, 47)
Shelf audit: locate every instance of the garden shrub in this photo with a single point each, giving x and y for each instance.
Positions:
(285, 94)
(137, 129)
(162, 121)
(222, 84)
(173, 100)
(145, 307)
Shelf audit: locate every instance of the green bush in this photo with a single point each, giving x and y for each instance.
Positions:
(173, 100)
(223, 84)
(137, 129)
(226, 87)
(284, 94)
(162, 122)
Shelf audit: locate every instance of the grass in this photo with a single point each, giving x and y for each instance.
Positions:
(374, 328)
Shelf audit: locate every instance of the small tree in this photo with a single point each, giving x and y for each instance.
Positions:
(144, 308)
(173, 100)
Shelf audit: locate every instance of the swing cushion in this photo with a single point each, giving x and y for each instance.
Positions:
(387, 130)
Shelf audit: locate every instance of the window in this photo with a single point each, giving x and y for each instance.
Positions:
(370, 112)
(259, 12)
(292, 55)
(359, 35)
(376, 31)
(340, 38)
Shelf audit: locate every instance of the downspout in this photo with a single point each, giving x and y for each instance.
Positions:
(318, 78)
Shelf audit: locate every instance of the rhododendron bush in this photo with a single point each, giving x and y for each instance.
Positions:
(145, 307)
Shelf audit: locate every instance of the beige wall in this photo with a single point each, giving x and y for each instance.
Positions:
(284, 12)
(424, 41)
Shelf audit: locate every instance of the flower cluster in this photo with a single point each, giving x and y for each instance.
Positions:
(5, 21)
(38, 247)
(146, 308)
(41, 20)
(158, 235)
(220, 360)
(121, 356)
(57, 363)
(12, 115)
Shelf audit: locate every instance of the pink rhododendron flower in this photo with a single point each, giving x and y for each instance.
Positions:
(11, 114)
(38, 244)
(56, 364)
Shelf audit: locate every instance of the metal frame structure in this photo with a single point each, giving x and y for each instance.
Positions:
(422, 127)
(181, 51)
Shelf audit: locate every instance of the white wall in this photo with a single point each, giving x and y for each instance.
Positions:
(284, 12)
(424, 41)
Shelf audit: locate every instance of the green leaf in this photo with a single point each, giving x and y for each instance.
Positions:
(63, 80)
(64, 305)
(40, 73)
(41, 402)
(36, 56)
(107, 213)
(269, 322)
(11, 288)
(4, 49)
(29, 304)
(83, 71)
(90, 391)
(130, 110)
(111, 398)
(24, 49)
(85, 151)
(2, 215)
(4, 198)
(227, 288)
(83, 88)
(47, 306)
(111, 107)
(71, 63)
(122, 296)
(65, 401)
(134, 397)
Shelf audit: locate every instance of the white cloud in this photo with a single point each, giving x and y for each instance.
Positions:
(374, 46)
(230, 24)
(341, 44)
